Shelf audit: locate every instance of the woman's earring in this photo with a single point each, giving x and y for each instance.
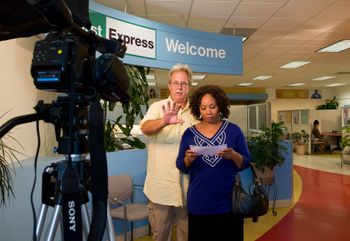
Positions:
(220, 116)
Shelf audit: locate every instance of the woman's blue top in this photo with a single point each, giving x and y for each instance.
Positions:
(211, 176)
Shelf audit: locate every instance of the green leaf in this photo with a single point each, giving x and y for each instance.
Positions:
(7, 160)
(138, 90)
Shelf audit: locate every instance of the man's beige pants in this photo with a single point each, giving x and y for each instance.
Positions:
(162, 219)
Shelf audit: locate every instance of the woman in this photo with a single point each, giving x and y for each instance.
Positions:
(209, 197)
(317, 137)
(315, 131)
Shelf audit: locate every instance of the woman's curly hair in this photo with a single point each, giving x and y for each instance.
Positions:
(217, 93)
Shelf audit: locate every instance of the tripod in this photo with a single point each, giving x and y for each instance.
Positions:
(66, 183)
(65, 189)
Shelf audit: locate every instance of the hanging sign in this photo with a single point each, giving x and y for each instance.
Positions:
(159, 45)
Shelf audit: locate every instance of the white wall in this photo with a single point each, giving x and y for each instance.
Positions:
(343, 95)
(18, 95)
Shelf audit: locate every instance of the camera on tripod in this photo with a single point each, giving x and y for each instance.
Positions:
(65, 61)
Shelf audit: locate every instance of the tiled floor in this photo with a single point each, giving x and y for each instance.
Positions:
(321, 206)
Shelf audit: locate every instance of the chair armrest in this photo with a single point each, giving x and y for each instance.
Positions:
(115, 200)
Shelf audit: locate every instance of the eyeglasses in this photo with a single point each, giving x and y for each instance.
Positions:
(177, 84)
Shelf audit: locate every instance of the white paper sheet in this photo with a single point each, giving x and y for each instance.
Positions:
(208, 150)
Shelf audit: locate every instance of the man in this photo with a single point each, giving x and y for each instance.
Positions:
(165, 187)
(316, 95)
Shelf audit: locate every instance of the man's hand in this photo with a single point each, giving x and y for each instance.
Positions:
(170, 114)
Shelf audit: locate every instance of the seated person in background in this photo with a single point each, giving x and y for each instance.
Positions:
(315, 131)
(317, 135)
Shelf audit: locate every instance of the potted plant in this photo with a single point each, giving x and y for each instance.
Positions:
(117, 133)
(266, 150)
(330, 104)
(301, 141)
(345, 144)
(7, 160)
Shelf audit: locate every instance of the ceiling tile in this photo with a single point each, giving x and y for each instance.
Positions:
(277, 23)
(335, 11)
(162, 8)
(215, 21)
(258, 10)
(213, 8)
(301, 11)
(246, 22)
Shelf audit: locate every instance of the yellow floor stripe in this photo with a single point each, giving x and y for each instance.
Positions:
(252, 231)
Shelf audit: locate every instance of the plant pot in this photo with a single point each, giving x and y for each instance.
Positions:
(346, 157)
(300, 149)
(265, 177)
(294, 144)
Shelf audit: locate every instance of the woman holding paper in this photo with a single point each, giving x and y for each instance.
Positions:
(212, 172)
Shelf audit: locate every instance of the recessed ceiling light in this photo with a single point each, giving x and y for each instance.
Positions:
(152, 83)
(194, 83)
(262, 77)
(296, 84)
(324, 78)
(337, 47)
(150, 76)
(335, 85)
(295, 64)
(244, 84)
(199, 76)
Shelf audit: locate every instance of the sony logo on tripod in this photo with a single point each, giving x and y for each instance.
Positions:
(71, 213)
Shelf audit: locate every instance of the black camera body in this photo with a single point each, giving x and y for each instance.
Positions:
(60, 59)
(65, 60)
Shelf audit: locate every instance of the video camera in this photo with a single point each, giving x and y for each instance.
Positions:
(65, 61)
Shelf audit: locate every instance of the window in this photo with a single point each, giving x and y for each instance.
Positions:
(259, 116)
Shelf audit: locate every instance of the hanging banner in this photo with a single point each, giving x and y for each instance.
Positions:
(157, 45)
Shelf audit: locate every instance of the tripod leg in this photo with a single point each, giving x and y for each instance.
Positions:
(109, 226)
(86, 220)
(41, 220)
(54, 223)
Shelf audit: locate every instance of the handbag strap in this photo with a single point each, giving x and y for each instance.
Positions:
(256, 180)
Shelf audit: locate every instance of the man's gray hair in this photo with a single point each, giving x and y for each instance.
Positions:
(181, 67)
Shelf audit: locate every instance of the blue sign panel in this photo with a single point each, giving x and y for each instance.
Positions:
(159, 45)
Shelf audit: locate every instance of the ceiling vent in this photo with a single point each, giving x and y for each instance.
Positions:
(342, 72)
(244, 32)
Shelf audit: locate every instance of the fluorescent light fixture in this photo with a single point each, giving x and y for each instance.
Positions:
(152, 83)
(296, 84)
(150, 76)
(198, 76)
(335, 85)
(337, 47)
(244, 84)
(194, 83)
(324, 78)
(262, 77)
(244, 39)
(295, 64)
